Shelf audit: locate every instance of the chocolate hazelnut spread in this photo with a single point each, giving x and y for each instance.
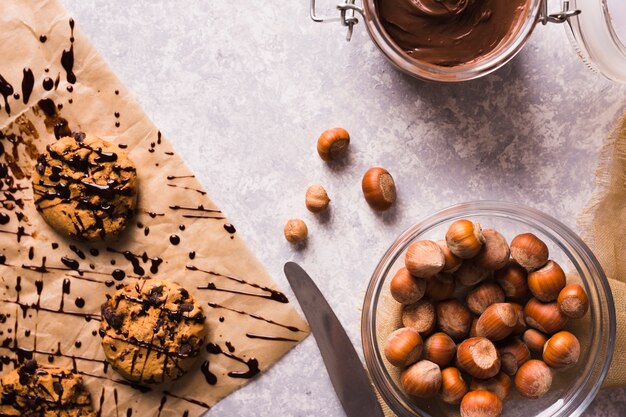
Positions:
(451, 32)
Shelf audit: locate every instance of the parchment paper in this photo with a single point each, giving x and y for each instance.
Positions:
(41, 296)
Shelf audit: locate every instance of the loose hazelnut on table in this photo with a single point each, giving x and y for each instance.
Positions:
(439, 348)
(547, 282)
(464, 238)
(535, 340)
(484, 295)
(453, 387)
(422, 379)
(500, 385)
(452, 262)
(440, 287)
(333, 144)
(424, 259)
(316, 198)
(513, 280)
(481, 404)
(470, 274)
(420, 316)
(295, 231)
(494, 253)
(478, 357)
(405, 288)
(403, 347)
(573, 301)
(497, 321)
(379, 189)
(513, 354)
(529, 251)
(533, 379)
(561, 350)
(454, 318)
(545, 317)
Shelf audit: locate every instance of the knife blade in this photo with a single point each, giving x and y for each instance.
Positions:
(344, 367)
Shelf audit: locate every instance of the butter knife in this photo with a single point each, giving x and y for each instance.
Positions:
(344, 367)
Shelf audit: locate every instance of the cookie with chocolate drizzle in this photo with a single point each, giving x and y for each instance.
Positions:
(36, 390)
(85, 187)
(152, 331)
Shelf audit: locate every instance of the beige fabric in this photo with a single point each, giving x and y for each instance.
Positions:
(248, 321)
(603, 227)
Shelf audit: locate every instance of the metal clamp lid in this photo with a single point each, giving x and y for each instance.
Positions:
(347, 15)
(560, 17)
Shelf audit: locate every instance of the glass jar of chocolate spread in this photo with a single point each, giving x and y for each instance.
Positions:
(459, 40)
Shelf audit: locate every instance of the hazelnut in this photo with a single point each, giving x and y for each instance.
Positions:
(533, 379)
(478, 357)
(535, 340)
(439, 348)
(403, 347)
(379, 189)
(494, 253)
(453, 387)
(481, 404)
(464, 238)
(513, 354)
(452, 262)
(545, 317)
(547, 282)
(470, 274)
(513, 280)
(520, 326)
(561, 350)
(316, 198)
(422, 379)
(333, 143)
(500, 385)
(573, 301)
(296, 231)
(529, 251)
(484, 295)
(472, 332)
(454, 318)
(497, 321)
(424, 259)
(440, 287)
(420, 316)
(405, 288)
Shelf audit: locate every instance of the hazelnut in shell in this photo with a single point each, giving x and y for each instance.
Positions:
(529, 251)
(405, 288)
(500, 385)
(533, 379)
(513, 280)
(547, 282)
(422, 379)
(470, 274)
(296, 231)
(561, 350)
(452, 262)
(478, 357)
(520, 326)
(497, 321)
(403, 347)
(420, 316)
(535, 340)
(440, 287)
(454, 318)
(464, 238)
(481, 404)
(379, 189)
(484, 295)
(494, 253)
(439, 348)
(513, 354)
(545, 317)
(316, 198)
(333, 144)
(453, 387)
(424, 259)
(573, 301)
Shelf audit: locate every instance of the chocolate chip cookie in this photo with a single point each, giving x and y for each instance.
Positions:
(85, 187)
(44, 391)
(152, 331)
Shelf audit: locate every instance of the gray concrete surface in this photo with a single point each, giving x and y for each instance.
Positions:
(243, 89)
